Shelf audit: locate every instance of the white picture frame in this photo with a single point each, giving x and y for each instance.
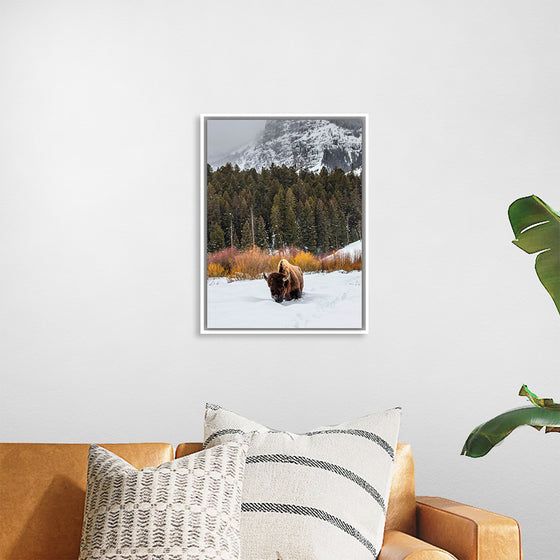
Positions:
(214, 322)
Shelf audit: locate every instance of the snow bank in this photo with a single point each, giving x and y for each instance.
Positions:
(353, 250)
(330, 301)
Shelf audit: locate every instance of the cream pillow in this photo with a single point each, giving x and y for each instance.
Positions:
(187, 509)
(321, 495)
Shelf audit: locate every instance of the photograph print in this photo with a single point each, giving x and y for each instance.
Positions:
(283, 225)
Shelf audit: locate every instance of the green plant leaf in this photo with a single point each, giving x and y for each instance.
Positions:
(544, 413)
(537, 401)
(536, 227)
(483, 438)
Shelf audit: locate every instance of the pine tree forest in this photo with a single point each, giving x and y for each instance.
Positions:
(281, 207)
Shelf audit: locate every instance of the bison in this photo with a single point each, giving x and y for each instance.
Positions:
(287, 283)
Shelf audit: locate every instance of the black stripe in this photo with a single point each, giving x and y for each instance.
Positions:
(221, 433)
(312, 512)
(361, 433)
(306, 461)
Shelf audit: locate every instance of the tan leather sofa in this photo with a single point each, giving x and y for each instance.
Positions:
(42, 492)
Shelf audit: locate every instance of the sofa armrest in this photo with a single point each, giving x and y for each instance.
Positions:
(467, 532)
(401, 546)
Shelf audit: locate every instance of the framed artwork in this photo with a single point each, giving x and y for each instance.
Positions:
(283, 224)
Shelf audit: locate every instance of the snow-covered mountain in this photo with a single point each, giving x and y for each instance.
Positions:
(304, 143)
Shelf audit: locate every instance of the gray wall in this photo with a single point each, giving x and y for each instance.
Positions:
(99, 195)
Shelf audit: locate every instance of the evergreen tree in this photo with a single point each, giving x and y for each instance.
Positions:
(261, 237)
(274, 187)
(246, 236)
(338, 225)
(277, 221)
(355, 215)
(323, 227)
(240, 214)
(277, 199)
(213, 206)
(217, 239)
(308, 229)
(291, 229)
(324, 176)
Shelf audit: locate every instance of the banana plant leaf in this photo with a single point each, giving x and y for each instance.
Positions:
(537, 401)
(543, 413)
(536, 227)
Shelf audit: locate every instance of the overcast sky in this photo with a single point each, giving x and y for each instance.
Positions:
(224, 135)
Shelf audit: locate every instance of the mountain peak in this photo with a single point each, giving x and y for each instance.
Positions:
(302, 143)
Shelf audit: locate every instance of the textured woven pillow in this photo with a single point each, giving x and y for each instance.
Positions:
(321, 495)
(187, 509)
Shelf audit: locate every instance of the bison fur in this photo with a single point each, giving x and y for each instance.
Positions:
(287, 283)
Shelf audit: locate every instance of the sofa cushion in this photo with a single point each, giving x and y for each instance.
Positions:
(42, 492)
(322, 494)
(186, 509)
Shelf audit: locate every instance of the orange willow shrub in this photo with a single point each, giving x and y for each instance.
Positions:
(252, 263)
(288, 253)
(224, 258)
(341, 262)
(274, 260)
(307, 262)
(215, 270)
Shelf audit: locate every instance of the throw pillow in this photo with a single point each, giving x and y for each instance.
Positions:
(187, 509)
(313, 496)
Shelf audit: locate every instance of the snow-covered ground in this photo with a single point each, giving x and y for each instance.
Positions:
(330, 301)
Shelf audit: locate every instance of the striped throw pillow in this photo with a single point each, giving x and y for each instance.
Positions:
(321, 495)
(187, 509)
